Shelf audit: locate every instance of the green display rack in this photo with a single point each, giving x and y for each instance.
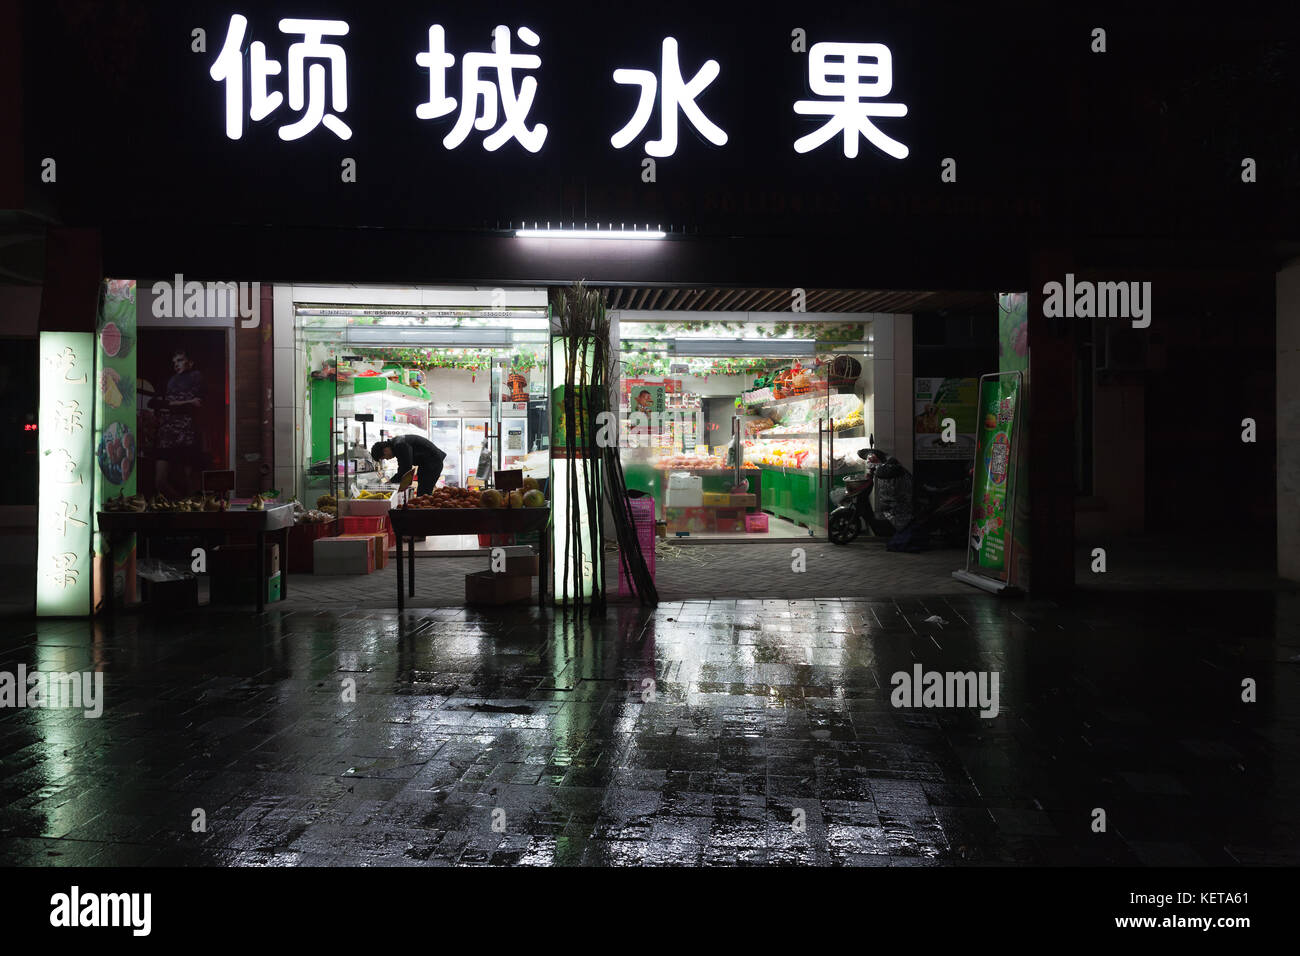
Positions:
(792, 494)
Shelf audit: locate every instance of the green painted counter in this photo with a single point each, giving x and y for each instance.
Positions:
(793, 494)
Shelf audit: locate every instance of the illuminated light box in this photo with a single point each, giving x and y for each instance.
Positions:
(65, 520)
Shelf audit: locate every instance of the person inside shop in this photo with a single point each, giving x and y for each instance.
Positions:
(180, 443)
(412, 451)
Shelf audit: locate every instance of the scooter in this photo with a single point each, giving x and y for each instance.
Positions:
(943, 512)
(851, 505)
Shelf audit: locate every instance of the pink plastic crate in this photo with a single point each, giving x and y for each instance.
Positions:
(756, 522)
(643, 517)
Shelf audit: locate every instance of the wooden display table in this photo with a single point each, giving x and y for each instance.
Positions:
(412, 523)
(278, 519)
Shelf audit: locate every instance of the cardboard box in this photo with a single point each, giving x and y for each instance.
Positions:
(520, 562)
(744, 501)
(343, 555)
(381, 549)
(684, 491)
(378, 547)
(484, 587)
(728, 519)
(691, 520)
(714, 499)
(364, 507)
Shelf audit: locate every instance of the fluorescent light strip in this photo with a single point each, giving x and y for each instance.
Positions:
(589, 234)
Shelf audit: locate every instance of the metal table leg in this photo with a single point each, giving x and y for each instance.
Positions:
(401, 584)
(261, 571)
(284, 564)
(410, 567)
(108, 591)
(543, 565)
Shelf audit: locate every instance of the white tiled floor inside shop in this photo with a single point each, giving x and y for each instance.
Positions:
(777, 529)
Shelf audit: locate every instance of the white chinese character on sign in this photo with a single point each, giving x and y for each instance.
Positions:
(69, 467)
(677, 95)
(479, 96)
(66, 362)
(65, 515)
(68, 415)
(848, 72)
(62, 573)
(307, 83)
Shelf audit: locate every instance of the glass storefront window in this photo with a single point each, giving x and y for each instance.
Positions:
(795, 399)
(463, 378)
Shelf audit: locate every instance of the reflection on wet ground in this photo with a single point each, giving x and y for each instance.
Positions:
(714, 733)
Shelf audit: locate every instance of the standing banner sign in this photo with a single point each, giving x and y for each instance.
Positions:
(990, 549)
(116, 432)
(65, 521)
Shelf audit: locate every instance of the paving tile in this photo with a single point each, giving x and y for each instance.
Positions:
(520, 738)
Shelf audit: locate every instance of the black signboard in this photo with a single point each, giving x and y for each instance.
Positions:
(1012, 118)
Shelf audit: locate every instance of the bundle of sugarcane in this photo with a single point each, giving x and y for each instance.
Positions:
(590, 367)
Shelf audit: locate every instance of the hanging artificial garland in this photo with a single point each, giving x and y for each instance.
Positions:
(822, 331)
(464, 359)
(654, 364)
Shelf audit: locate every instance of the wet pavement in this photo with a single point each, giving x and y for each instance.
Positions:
(700, 733)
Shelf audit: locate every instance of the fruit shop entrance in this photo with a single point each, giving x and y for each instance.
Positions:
(740, 424)
(460, 368)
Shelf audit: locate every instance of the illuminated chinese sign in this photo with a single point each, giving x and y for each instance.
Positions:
(65, 521)
(498, 87)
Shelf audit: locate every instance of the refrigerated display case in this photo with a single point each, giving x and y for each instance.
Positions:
(445, 433)
(473, 434)
(514, 442)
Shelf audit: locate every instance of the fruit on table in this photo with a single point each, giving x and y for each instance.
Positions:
(325, 500)
(698, 462)
(448, 497)
(257, 504)
(533, 498)
(492, 499)
(530, 484)
(516, 499)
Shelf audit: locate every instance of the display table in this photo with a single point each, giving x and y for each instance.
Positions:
(279, 519)
(412, 523)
